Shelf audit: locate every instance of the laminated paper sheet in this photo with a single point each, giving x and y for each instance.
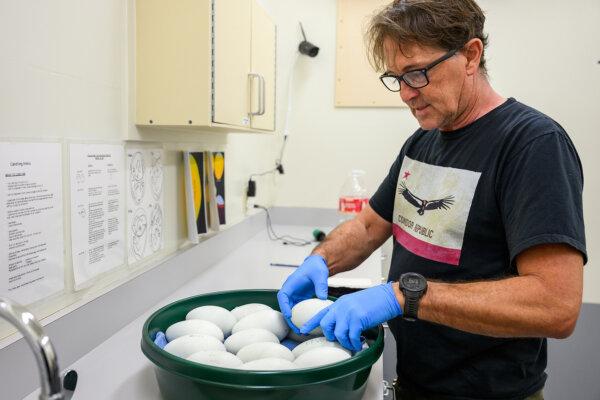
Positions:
(212, 212)
(145, 205)
(31, 232)
(195, 194)
(97, 209)
(219, 173)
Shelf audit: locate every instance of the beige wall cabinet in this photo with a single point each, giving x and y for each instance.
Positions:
(205, 64)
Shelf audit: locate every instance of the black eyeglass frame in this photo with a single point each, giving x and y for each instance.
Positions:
(401, 78)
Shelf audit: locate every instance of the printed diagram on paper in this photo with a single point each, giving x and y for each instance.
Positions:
(145, 202)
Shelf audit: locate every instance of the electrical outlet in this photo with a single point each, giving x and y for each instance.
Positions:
(251, 190)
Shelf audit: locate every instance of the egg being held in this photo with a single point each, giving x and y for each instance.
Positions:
(305, 310)
(185, 346)
(220, 316)
(216, 358)
(236, 341)
(191, 326)
(269, 364)
(257, 351)
(247, 309)
(270, 320)
(320, 356)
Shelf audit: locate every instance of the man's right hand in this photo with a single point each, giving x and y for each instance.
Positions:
(309, 279)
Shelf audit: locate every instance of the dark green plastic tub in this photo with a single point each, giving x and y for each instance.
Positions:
(184, 380)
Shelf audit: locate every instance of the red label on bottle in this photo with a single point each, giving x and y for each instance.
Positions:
(352, 205)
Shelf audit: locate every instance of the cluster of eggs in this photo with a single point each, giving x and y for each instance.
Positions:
(249, 337)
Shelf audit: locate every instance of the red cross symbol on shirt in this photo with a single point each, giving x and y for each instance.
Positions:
(406, 174)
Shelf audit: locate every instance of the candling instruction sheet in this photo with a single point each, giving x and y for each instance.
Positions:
(31, 215)
(97, 209)
(144, 186)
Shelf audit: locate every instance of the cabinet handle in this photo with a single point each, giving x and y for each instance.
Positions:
(261, 93)
(251, 77)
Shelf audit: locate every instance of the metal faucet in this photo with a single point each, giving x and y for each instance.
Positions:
(53, 386)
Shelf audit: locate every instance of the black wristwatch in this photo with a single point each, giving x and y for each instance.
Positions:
(413, 286)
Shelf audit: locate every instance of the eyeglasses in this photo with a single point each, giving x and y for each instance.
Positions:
(416, 78)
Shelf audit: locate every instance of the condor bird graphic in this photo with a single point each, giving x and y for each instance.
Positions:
(423, 205)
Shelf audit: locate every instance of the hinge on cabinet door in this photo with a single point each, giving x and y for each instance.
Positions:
(212, 61)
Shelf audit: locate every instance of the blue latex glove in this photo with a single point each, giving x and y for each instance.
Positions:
(289, 343)
(351, 314)
(309, 279)
(160, 340)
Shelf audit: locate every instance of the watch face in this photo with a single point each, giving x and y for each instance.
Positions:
(413, 282)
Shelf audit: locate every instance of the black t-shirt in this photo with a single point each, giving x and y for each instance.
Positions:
(463, 205)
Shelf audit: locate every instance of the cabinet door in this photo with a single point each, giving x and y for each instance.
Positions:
(232, 62)
(263, 65)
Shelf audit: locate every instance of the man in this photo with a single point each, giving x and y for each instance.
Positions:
(485, 205)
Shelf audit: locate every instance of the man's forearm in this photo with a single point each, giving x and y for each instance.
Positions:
(514, 307)
(346, 247)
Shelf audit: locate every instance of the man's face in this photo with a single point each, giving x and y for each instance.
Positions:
(440, 103)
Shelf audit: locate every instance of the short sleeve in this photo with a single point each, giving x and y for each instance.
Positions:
(382, 202)
(540, 195)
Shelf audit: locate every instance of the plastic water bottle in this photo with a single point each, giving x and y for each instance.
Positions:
(353, 195)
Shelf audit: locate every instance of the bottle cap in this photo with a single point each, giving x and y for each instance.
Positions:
(319, 235)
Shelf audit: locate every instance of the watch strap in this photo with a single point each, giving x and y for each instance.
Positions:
(411, 306)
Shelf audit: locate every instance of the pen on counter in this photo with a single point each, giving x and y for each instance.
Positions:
(283, 265)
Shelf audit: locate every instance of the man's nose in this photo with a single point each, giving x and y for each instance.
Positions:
(407, 93)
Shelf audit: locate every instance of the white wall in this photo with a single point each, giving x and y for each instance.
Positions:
(541, 52)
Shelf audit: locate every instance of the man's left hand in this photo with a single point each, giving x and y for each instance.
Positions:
(351, 314)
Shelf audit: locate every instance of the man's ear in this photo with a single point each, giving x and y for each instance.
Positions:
(472, 51)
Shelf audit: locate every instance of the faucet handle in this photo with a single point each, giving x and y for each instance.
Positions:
(69, 380)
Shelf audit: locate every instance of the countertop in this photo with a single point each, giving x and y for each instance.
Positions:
(117, 369)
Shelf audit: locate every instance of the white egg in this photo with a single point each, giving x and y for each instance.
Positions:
(220, 316)
(305, 310)
(236, 341)
(269, 364)
(317, 343)
(216, 358)
(191, 326)
(270, 320)
(185, 346)
(320, 356)
(247, 309)
(256, 351)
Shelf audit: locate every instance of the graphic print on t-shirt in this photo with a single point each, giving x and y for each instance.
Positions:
(431, 208)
